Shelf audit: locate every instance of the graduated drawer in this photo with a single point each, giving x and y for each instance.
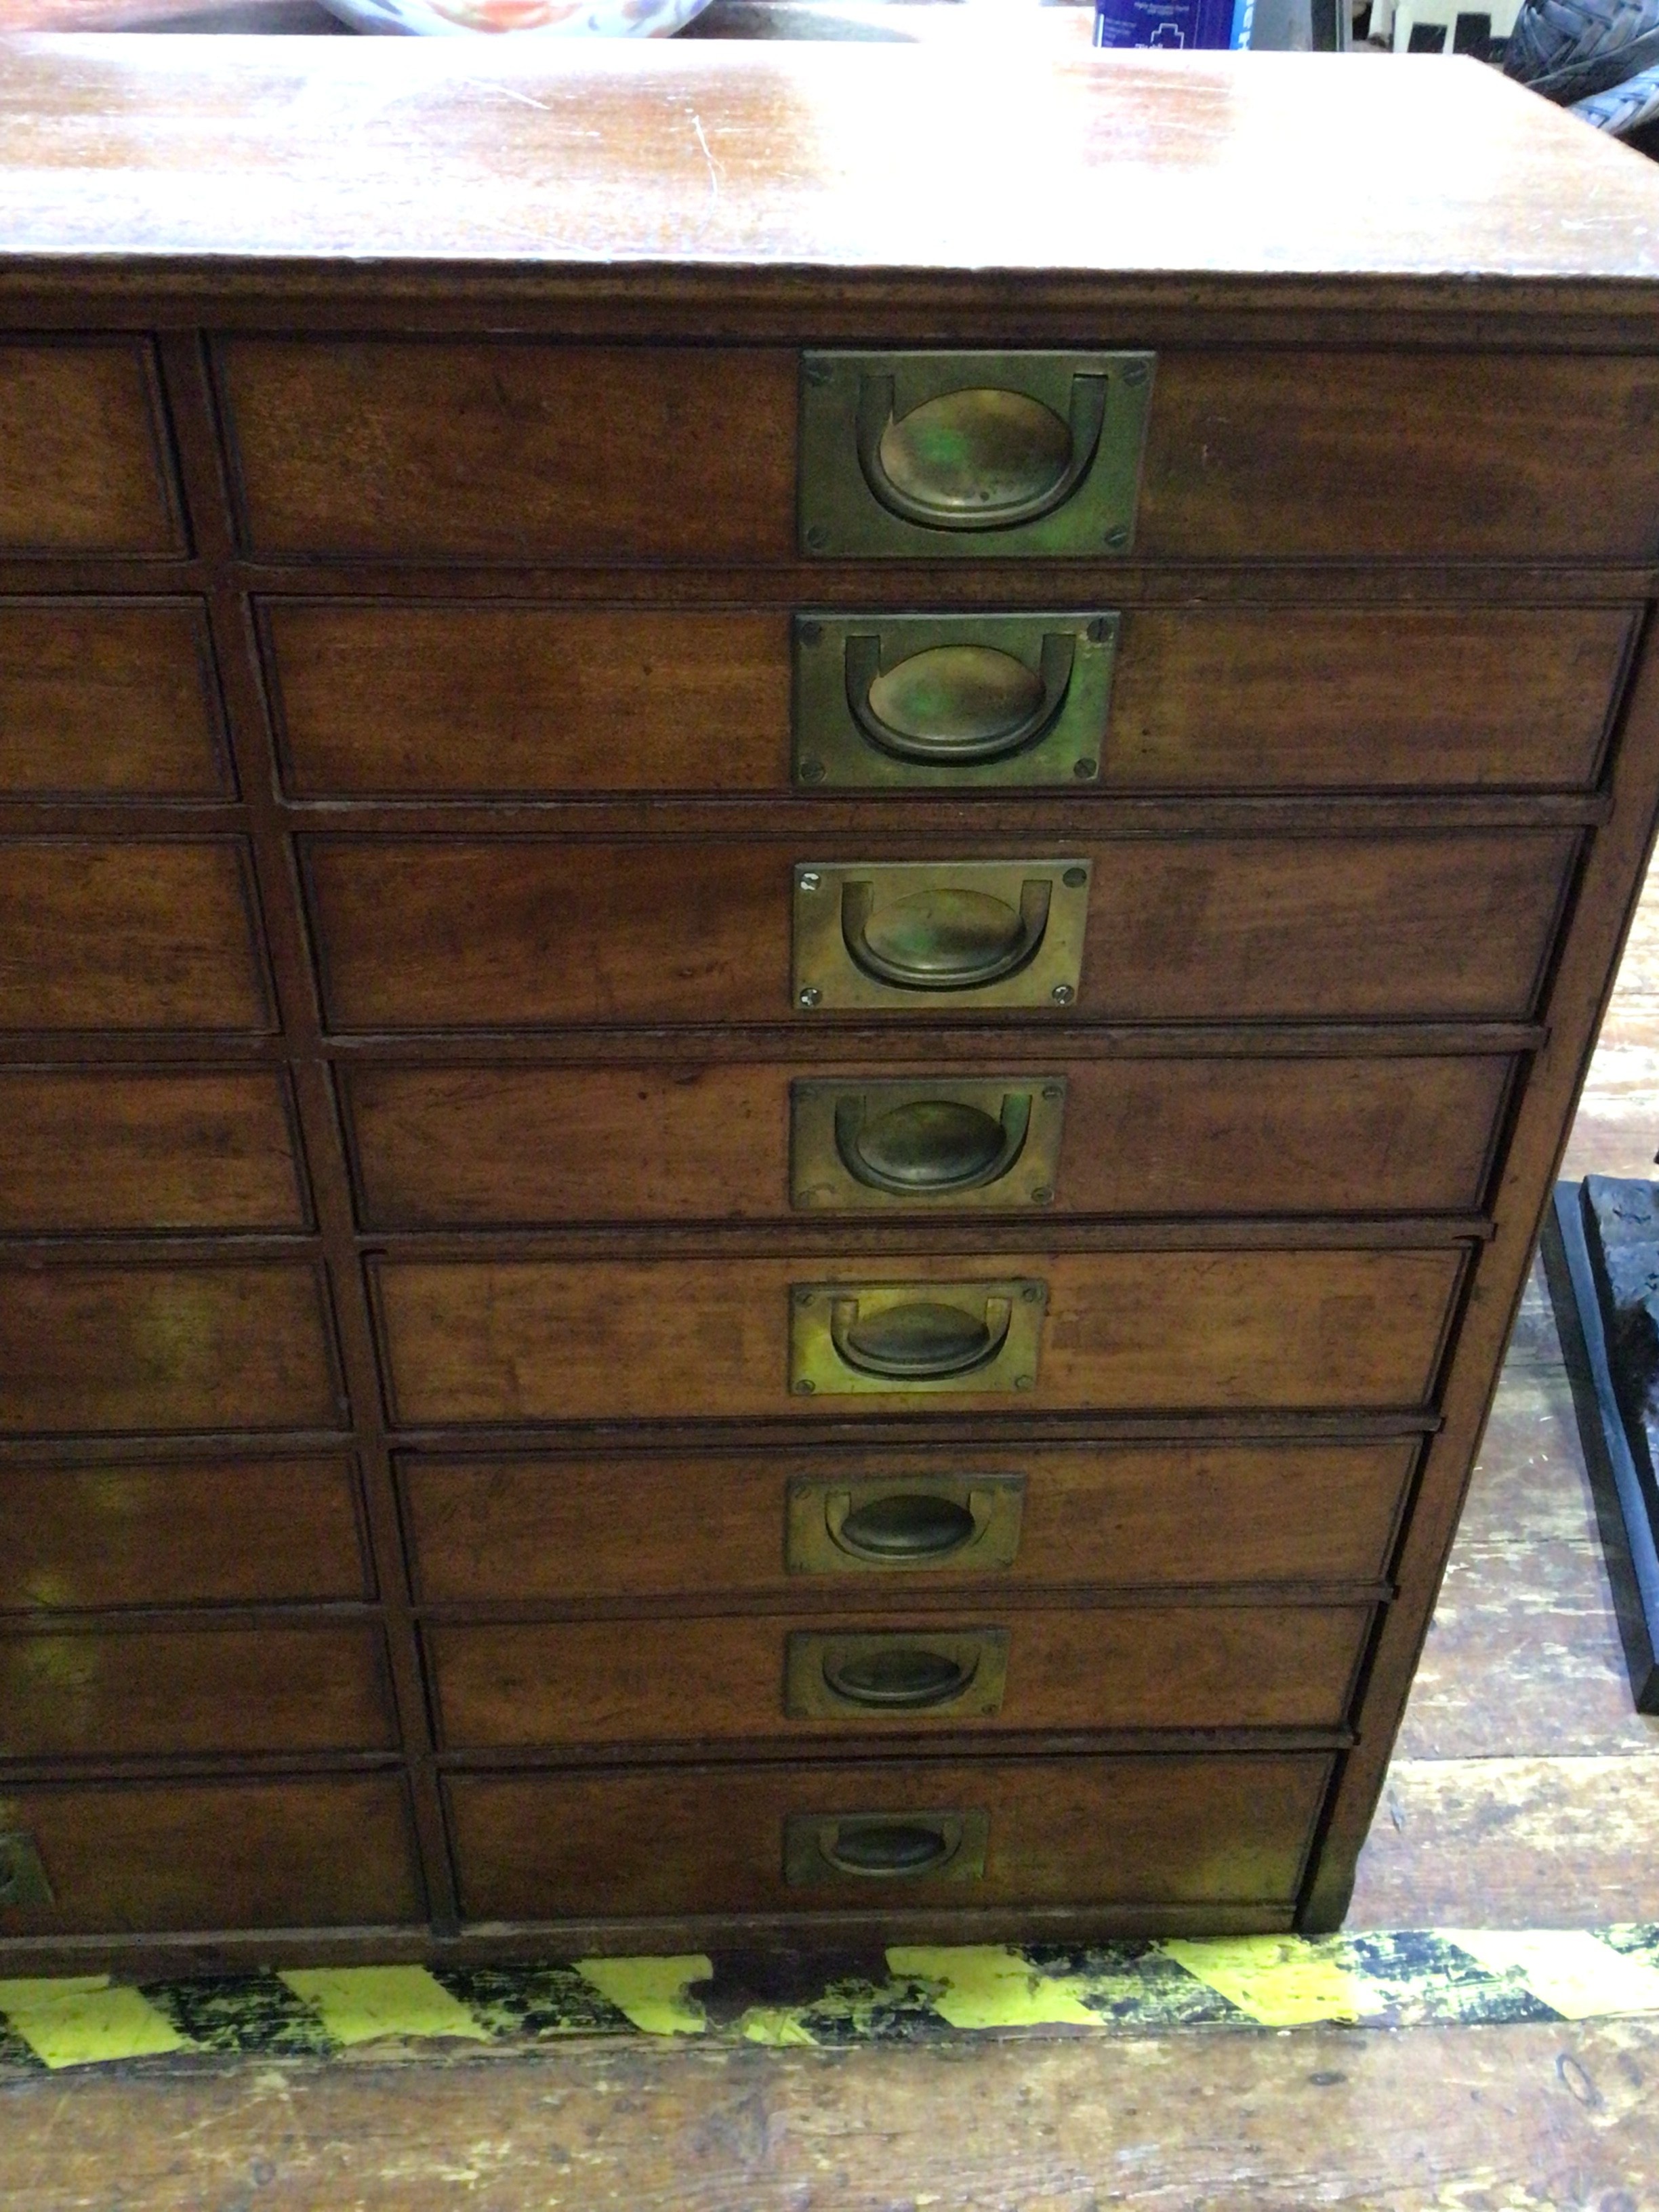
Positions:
(129, 933)
(504, 1341)
(448, 700)
(259, 1530)
(863, 1525)
(217, 1345)
(129, 1859)
(518, 451)
(89, 1149)
(619, 1682)
(1225, 1829)
(477, 1147)
(81, 451)
(161, 1692)
(509, 931)
(102, 699)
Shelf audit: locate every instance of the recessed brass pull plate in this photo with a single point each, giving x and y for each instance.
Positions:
(899, 1675)
(958, 703)
(885, 1846)
(935, 937)
(989, 455)
(899, 1338)
(964, 1524)
(22, 1877)
(943, 1146)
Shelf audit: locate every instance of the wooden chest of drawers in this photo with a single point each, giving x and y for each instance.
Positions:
(806, 858)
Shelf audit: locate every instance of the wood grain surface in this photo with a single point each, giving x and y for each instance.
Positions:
(123, 934)
(89, 1149)
(81, 467)
(512, 932)
(505, 1340)
(169, 1347)
(138, 1692)
(917, 161)
(79, 1537)
(109, 699)
(1167, 1830)
(452, 699)
(477, 1147)
(317, 1853)
(586, 1527)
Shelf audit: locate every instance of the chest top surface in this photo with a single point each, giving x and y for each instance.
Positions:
(152, 154)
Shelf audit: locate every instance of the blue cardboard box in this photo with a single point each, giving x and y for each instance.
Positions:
(1173, 22)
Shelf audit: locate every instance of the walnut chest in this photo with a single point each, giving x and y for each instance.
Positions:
(807, 853)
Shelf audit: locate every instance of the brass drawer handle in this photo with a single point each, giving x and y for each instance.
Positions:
(885, 1846)
(943, 939)
(980, 458)
(906, 1527)
(929, 1145)
(902, 1523)
(899, 1676)
(925, 1338)
(957, 705)
(890, 1673)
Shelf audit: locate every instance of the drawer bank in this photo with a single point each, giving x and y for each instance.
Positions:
(796, 920)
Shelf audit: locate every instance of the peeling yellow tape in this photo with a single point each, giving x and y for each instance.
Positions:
(653, 1992)
(1568, 1969)
(780, 2025)
(989, 1985)
(1281, 1981)
(81, 2021)
(360, 2004)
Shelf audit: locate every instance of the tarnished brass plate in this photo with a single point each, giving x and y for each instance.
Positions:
(986, 456)
(944, 1146)
(961, 1524)
(939, 937)
(895, 1675)
(885, 1846)
(951, 702)
(899, 1339)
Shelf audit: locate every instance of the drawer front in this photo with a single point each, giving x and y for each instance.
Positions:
(513, 452)
(259, 1531)
(129, 1859)
(104, 1150)
(1131, 1666)
(560, 1529)
(521, 451)
(474, 1147)
(510, 931)
(1227, 1829)
(133, 1692)
(457, 700)
(1385, 455)
(81, 467)
(530, 1341)
(99, 934)
(166, 1348)
(111, 701)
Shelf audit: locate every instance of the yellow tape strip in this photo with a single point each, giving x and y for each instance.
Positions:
(360, 2004)
(1572, 1971)
(81, 2021)
(1282, 1981)
(988, 1985)
(653, 1992)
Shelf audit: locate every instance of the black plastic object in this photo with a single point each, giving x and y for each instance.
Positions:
(1602, 1261)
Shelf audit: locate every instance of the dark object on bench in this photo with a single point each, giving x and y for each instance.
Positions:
(1601, 1258)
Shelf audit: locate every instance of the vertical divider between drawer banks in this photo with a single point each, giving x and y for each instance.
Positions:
(202, 469)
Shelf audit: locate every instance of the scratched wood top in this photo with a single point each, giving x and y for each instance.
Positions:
(1022, 156)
